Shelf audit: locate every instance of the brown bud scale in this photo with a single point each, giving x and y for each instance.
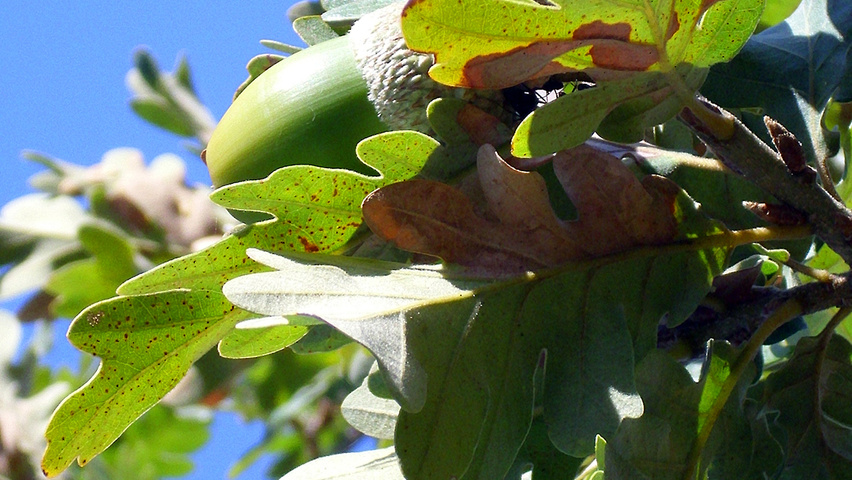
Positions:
(777, 214)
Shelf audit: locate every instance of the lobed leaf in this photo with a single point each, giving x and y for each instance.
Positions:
(646, 56)
(370, 414)
(791, 70)
(657, 445)
(810, 393)
(519, 230)
(749, 448)
(348, 289)
(461, 355)
(146, 343)
(571, 119)
(326, 200)
(255, 338)
(602, 38)
(318, 210)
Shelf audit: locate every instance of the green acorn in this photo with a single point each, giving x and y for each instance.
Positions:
(314, 106)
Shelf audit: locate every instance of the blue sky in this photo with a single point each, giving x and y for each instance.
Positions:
(62, 93)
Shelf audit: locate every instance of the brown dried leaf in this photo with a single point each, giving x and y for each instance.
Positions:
(425, 216)
(519, 231)
(615, 210)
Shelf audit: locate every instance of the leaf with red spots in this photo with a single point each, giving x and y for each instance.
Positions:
(317, 210)
(262, 336)
(652, 45)
(322, 203)
(146, 343)
(516, 229)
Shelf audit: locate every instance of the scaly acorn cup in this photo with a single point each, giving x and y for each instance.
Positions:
(314, 106)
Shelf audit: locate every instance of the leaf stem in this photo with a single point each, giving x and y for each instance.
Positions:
(825, 177)
(817, 274)
(726, 239)
(713, 121)
(781, 315)
(832, 325)
(736, 238)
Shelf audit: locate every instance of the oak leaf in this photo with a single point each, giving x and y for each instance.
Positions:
(516, 230)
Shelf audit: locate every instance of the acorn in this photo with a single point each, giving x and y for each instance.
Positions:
(314, 106)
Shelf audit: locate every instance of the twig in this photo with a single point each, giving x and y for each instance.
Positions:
(739, 323)
(825, 178)
(781, 315)
(836, 320)
(743, 152)
(817, 274)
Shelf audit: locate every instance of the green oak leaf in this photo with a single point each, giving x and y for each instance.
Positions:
(258, 337)
(790, 71)
(434, 333)
(324, 201)
(318, 210)
(811, 395)
(349, 288)
(658, 444)
(146, 343)
(81, 283)
(619, 110)
(313, 30)
(370, 414)
(654, 52)
(748, 450)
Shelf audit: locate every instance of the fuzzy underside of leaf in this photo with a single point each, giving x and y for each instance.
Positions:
(462, 354)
